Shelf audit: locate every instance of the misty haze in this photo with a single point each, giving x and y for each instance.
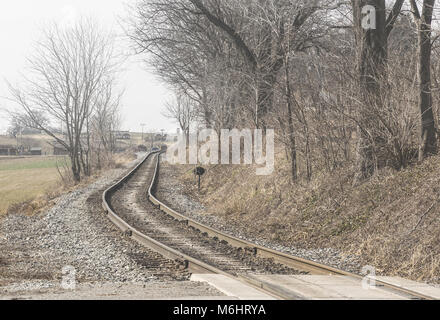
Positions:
(219, 150)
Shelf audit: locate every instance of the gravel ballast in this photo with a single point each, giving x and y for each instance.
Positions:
(38, 252)
(172, 192)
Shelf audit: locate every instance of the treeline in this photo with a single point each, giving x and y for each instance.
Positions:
(344, 83)
(69, 94)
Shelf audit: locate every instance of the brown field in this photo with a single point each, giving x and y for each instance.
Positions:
(7, 140)
(33, 140)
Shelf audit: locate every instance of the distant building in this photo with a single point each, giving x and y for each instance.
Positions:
(160, 137)
(8, 150)
(59, 149)
(171, 138)
(122, 135)
(36, 151)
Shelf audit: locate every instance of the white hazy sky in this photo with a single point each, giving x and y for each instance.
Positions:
(21, 22)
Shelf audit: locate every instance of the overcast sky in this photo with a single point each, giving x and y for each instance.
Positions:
(21, 22)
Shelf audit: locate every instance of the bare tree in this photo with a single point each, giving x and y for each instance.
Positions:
(104, 122)
(428, 144)
(372, 44)
(181, 110)
(65, 79)
(339, 94)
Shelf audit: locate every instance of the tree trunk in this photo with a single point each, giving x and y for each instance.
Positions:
(372, 57)
(428, 128)
(75, 169)
(290, 126)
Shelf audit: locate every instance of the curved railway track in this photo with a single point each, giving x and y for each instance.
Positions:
(131, 205)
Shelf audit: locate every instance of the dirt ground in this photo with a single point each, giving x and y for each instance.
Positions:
(168, 290)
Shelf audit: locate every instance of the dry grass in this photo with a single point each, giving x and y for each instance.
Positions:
(34, 140)
(391, 222)
(120, 160)
(5, 140)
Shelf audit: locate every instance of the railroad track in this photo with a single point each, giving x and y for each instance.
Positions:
(132, 206)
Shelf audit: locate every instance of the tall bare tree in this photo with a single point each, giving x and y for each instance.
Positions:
(310, 69)
(181, 110)
(66, 74)
(428, 136)
(372, 43)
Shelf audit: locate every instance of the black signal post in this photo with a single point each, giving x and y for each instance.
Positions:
(199, 172)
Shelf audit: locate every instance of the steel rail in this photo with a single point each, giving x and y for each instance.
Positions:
(191, 264)
(280, 257)
(196, 266)
(128, 230)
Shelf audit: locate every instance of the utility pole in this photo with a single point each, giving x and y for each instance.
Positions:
(152, 140)
(142, 125)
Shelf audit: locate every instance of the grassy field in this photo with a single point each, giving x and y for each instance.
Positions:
(24, 179)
